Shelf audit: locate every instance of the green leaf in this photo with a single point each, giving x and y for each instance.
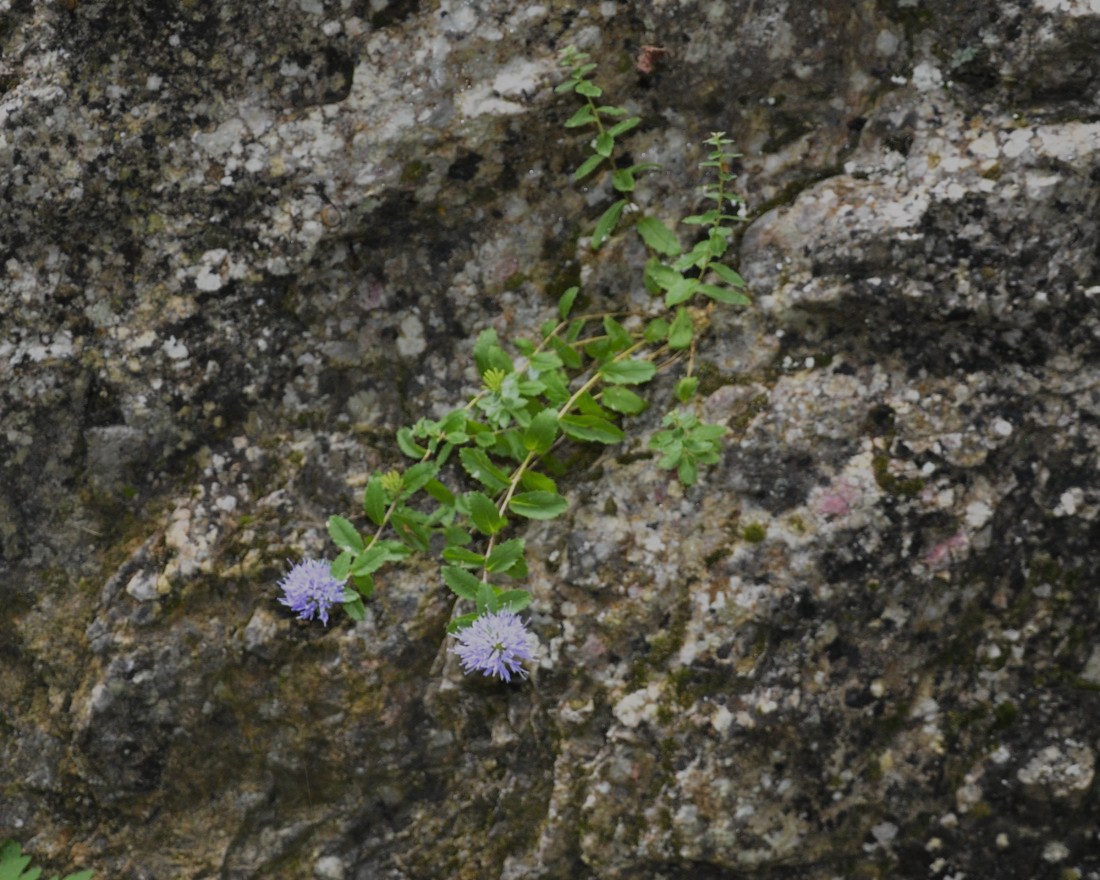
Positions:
(512, 600)
(341, 565)
(588, 89)
(344, 534)
(484, 513)
(542, 432)
(569, 355)
(478, 465)
(374, 500)
(460, 623)
(457, 537)
(681, 291)
(590, 428)
(664, 277)
(685, 388)
(618, 337)
(588, 406)
(440, 493)
(587, 166)
(608, 110)
(605, 143)
(409, 446)
(658, 237)
(505, 556)
(607, 222)
(462, 583)
(624, 126)
(364, 583)
(566, 302)
(622, 401)
(412, 533)
(724, 295)
(680, 333)
(417, 477)
(628, 372)
(353, 605)
(656, 330)
(545, 361)
(533, 480)
(727, 274)
(488, 355)
(623, 180)
(485, 595)
(581, 117)
(538, 505)
(687, 472)
(462, 556)
(374, 557)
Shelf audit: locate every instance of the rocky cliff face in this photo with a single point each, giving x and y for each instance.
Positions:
(245, 242)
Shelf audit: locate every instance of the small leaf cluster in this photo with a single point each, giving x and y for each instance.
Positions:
(480, 472)
(14, 865)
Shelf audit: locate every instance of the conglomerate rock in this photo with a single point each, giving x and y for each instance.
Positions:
(244, 242)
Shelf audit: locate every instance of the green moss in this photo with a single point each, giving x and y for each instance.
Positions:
(414, 171)
(754, 533)
(1004, 715)
(892, 484)
(515, 281)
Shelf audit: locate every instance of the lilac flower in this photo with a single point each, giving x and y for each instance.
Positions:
(496, 644)
(309, 588)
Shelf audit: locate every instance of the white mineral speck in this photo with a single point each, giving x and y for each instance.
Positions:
(1055, 852)
(175, 349)
(411, 342)
(1002, 427)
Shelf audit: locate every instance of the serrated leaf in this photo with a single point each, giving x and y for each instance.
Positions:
(485, 595)
(512, 600)
(412, 533)
(505, 556)
(661, 275)
(587, 166)
(566, 302)
(680, 333)
(581, 117)
(590, 428)
(656, 330)
(462, 556)
(538, 505)
(624, 126)
(483, 513)
(409, 446)
(618, 337)
(461, 582)
(457, 537)
(588, 406)
(605, 144)
(417, 477)
(440, 493)
(623, 180)
(545, 361)
(533, 480)
(377, 555)
(687, 472)
(622, 401)
(460, 623)
(353, 606)
(607, 222)
(341, 566)
(364, 583)
(541, 433)
(724, 295)
(374, 500)
(681, 291)
(488, 355)
(478, 465)
(628, 372)
(344, 534)
(569, 355)
(658, 237)
(686, 388)
(727, 274)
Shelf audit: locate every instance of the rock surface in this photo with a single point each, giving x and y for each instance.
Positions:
(243, 243)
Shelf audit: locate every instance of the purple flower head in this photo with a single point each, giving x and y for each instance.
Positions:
(496, 644)
(309, 588)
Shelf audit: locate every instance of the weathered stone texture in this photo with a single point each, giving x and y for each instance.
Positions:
(244, 242)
